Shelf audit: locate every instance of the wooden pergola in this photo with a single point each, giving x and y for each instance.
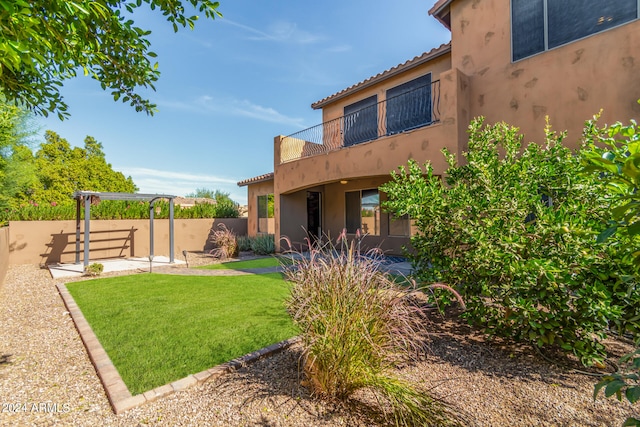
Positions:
(93, 197)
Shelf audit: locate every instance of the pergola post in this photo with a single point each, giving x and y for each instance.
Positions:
(151, 228)
(77, 231)
(171, 251)
(87, 221)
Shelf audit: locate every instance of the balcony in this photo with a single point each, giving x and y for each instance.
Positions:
(402, 113)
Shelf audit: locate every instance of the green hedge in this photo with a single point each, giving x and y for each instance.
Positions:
(117, 209)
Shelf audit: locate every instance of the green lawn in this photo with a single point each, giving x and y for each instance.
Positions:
(159, 328)
(242, 265)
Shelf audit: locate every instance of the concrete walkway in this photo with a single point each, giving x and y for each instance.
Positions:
(162, 265)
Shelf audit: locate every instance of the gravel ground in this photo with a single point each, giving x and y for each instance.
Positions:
(46, 378)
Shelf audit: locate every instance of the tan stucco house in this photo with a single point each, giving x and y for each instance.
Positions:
(508, 60)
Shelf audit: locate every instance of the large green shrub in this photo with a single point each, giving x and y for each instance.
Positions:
(514, 228)
(613, 153)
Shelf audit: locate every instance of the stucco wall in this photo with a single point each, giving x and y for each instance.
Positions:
(253, 191)
(569, 83)
(4, 252)
(292, 211)
(370, 160)
(381, 156)
(48, 242)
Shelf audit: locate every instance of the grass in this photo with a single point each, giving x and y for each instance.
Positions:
(159, 328)
(243, 265)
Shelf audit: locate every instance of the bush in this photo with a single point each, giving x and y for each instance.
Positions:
(613, 153)
(355, 324)
(514, 229)
(225, 243)
(263, 244)
(94, 269)
(244, 243)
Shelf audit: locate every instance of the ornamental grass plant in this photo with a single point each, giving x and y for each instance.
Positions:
(356, 325)
(226, 245)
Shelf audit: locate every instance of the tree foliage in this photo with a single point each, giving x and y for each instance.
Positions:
(44, 42)
(226, 207)
(63, 169)
(17, 170)
(514, 229)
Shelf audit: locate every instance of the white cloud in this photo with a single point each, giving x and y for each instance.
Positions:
(279, 31)
(206, 104)
(153, 181)
(339, 48)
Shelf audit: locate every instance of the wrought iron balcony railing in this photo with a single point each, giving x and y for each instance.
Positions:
(411, 110)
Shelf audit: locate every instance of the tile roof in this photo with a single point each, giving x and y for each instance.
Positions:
(418, 60)
(256, 179)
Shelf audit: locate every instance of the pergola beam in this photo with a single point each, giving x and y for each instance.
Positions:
(88, 196)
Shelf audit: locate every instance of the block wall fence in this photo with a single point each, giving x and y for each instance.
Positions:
(51, 242)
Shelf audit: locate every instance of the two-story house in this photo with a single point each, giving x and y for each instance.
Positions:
(516, 61)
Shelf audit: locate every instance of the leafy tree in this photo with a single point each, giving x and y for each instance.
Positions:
(43, 43)
(514, 229)
(17, 170)
(64, 170)
(225, 207)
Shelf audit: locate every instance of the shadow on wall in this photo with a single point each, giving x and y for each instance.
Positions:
(102, 245)
(4, 252)
(234, 225)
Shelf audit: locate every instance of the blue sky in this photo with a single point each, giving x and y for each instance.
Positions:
(232, 84)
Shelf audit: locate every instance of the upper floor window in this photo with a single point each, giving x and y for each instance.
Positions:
(409, 105)
(361, 121)
(539, 25)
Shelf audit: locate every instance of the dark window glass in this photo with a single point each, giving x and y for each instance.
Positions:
(573, 19)
(361, 121)
(370, 212)
(567, 20)
(352, 211)
(409, 105)
(265, 214)
(527, 27)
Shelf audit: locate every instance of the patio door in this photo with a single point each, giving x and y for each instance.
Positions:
(314, 216)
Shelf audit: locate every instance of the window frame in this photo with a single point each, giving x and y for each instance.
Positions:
(376, 212)
(404, 124)
(270, 202)
(545, 30)
(357, 110)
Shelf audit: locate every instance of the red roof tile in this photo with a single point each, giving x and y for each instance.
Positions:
(256, 179)
(418, 60)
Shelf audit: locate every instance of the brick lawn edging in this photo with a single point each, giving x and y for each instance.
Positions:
(117, 392)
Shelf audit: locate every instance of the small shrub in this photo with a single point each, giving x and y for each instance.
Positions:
(94, 269)
(225, 242)
(244, 243)
(355, 324)
(263, 244)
